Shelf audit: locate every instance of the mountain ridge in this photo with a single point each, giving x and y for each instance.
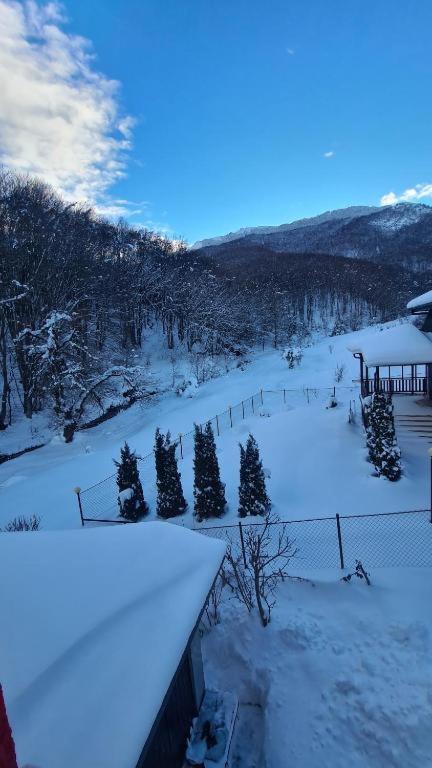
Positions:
(398, 234)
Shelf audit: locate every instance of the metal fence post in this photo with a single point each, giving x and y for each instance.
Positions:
(181, 445)
(242, 545)
(243, 409)
(339, 533)
(253, 407)
(284, 395)
(262, 399)
(230, 413)
(77, 490)
(307, 394)
(217, 425)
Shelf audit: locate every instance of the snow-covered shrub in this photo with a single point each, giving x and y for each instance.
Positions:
(332, 403)
(212, 611)
(187, 387)
(384, 452)
(209, 491)
(253, 497)
(23, 524)
(266, 554)
(170, 498)
(339, 327)
(203, 367)
(359, 572)
(339, 373)
(293, 356)
(132, 505)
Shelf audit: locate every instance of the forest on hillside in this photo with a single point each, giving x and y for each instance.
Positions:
(79, 295)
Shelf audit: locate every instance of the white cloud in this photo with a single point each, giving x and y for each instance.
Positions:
(328, 154)
(419, 192)
(59, 117)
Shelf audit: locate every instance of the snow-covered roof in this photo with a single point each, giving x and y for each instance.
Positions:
(93, 626)
(401, 345)
(424, 300)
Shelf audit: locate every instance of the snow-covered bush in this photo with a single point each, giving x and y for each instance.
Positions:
(187, 387)
(253, 497)
(359, 573)
(339, 327)
(332, 403)
(132, 505)
(384, 452)
(339, 373)
(253, 570)
(293, 356)
(23, 524)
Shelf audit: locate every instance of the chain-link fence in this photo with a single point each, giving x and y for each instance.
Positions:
(99, 502)
(391, 539)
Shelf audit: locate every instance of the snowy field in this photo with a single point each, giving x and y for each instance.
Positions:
(317, 461)
(342, 676)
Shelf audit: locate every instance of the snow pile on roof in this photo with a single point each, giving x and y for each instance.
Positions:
(420, 301)
(400, 345)
(94, 624)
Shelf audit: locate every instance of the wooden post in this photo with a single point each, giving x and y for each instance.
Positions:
(217, 425)
(243, 409)
(253, 407)
(181, 445)
(307, 394)
(262, 399)
(230, 413)
(284, 395)
(77, 490)
(339, 533)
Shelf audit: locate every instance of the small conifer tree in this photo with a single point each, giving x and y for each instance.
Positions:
(384, 452)
(253, 498)
(170, 498)
(209, 491)
(132, 505)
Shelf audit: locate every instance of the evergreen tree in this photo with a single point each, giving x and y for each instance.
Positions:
(209, 491)
(384, 452)
(170, 499)
(131, 497)
(253, 498)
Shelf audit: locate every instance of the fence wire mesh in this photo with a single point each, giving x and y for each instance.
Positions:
(384, 540)
(99, 502)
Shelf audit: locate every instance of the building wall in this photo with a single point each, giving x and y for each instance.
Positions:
(166, 745)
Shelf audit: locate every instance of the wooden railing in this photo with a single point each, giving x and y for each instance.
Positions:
(412, 385)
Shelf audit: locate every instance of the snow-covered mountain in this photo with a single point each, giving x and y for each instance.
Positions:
(342, 213)
(398, 234)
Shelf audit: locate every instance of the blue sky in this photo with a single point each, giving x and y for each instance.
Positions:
(225, 114)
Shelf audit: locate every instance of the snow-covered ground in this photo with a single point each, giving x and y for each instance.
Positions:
(317, 460)
(342, 675)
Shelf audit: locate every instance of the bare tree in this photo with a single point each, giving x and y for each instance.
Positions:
(253, 578)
